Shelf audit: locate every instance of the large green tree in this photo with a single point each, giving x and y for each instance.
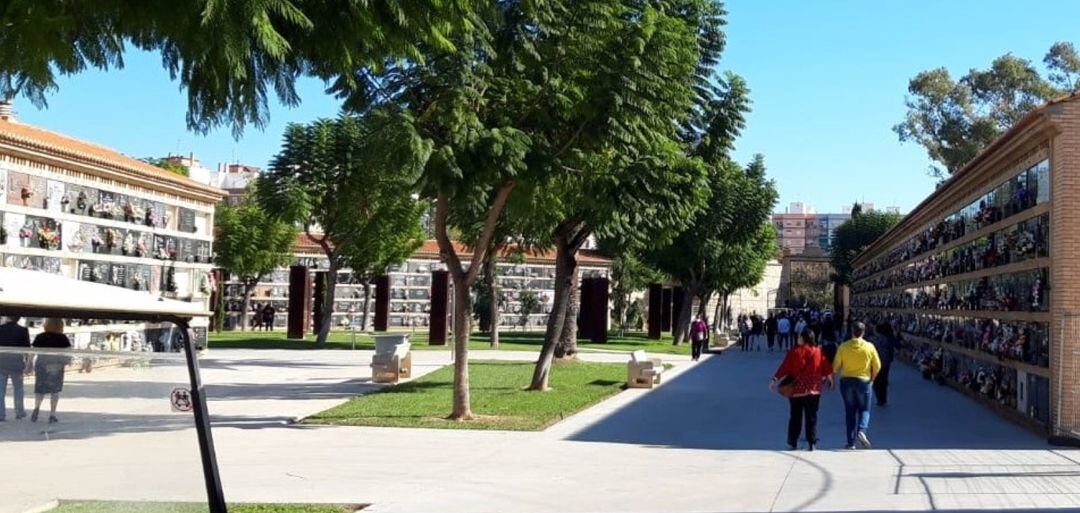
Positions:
(955, 119)
(249, 244)
(229, 55)
(854, 236)
(348, 182)
(639, 187)
(729, 241)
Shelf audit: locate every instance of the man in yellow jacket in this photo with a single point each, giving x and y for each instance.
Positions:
(858, 364)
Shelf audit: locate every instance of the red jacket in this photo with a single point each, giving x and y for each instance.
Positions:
(808, 365)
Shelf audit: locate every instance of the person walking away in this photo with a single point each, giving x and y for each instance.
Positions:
(13, 366)
(805, 363)
(744, 332)
(858, 363)
(829, 337)
(886, 343)
(800, 325)
(699, 336)
(783, 326)
(268, 314)
(49, 368)
(757, 331)
(770, 330)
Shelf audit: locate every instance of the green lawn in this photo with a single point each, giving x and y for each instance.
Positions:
(181, 507)
(497, 394)
(510, 341)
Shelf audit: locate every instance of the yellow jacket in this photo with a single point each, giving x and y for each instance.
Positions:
(857, 358)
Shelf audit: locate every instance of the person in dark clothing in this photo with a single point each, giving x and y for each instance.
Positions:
(806, 365)
(699, 337)
(12, 366)
(770, 330)
(829, 338)
(886, 343)
(49, 368)
(267, 314)
(757, 332)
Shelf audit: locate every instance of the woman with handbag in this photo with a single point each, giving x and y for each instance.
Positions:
(799, 378)
(49, 368)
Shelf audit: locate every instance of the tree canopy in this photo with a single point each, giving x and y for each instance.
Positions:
(955, 119)
(348, 183)
(249, 244)
(229, 55)
(854, 236)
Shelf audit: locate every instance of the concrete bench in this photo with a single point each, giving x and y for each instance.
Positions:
(392, 365)
(643, 372)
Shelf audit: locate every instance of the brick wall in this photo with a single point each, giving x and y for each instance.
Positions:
(1065, 268)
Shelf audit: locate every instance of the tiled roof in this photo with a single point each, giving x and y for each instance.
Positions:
(430, 249)
(45, 141)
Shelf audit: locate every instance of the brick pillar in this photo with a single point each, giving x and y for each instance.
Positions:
(665, 310)
(319, 282)
(1064, 286)
(382, 303)
(598, 309)
(299, 318)
(438, 328)
(655, 314)
(585, 317)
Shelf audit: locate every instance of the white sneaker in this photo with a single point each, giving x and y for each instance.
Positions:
(864, 442)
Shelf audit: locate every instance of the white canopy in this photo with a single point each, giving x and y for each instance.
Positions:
(45, 294)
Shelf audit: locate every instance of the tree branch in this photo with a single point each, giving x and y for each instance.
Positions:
(489, 228)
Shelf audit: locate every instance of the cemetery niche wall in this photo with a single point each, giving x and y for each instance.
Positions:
(87, 212)
(982, 278)
(410, 286)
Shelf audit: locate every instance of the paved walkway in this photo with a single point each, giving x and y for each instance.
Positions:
(707, 440)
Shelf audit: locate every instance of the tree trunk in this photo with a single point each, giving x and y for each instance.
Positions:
(682, 328)
(461, 409)
(327, 305)
(367, 303)
(493, 289)
(703, 305)
(567, 345)
(564, 271)
(246, 308)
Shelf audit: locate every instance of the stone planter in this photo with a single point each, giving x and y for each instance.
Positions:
(388, 342)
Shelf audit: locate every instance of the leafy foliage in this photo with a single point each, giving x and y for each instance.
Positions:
(229, 54)
(854, 236)
(168, 165)
(955, 119)
(348, 182)
(249, 244)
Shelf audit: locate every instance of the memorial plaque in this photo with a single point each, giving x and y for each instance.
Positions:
(202, 252)
(138, 277)
(86, 271)
(186, 251)
(186, 222)
(106, 204)
(118, 275)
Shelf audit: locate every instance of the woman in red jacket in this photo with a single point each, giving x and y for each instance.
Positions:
(806, 363)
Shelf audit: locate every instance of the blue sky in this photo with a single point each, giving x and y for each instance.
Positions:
(828, 80)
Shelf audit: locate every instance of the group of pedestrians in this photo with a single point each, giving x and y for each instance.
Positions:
(779, 331)
(859, 366)
(263, 317)
(48, 369)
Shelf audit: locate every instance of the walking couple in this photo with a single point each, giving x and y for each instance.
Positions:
(805, 369)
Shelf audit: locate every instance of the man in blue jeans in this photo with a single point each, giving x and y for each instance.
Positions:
(12, 366)
(858, 363)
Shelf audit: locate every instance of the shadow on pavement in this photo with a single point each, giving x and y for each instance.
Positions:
(724, 403)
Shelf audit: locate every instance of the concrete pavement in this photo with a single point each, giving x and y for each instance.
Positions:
(709, 439)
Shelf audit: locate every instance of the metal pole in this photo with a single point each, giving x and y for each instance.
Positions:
(214, 494)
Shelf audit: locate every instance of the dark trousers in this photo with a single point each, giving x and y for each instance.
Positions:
(697, 346)
(881, 385)
(745, 341)
(772, 339)
(803, 408)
